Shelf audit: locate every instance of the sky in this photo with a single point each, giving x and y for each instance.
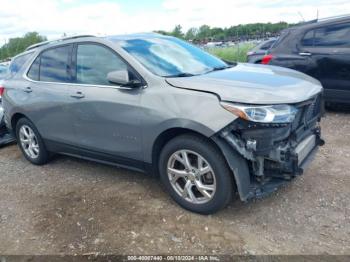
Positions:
(53, 18)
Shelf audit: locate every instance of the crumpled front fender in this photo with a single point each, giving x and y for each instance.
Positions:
(239, 167)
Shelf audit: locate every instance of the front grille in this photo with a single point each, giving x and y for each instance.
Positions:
(308, 111)
(306, 118)
(313, 109)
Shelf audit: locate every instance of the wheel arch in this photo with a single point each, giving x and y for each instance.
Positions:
(14, 120)
(170, 134)
(163, 138)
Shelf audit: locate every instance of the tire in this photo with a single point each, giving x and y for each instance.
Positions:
(337, 106)
(187, 186)
(37, 155)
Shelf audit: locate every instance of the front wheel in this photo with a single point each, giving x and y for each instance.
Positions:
(196, 174)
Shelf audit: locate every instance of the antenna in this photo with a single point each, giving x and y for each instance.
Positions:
(301, 16)
(317, 14)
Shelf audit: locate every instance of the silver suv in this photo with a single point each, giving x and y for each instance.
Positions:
(159, 105)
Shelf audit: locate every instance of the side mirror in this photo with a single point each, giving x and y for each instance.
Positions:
(120, 77)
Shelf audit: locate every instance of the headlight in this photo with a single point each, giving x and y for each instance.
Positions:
(263, 114)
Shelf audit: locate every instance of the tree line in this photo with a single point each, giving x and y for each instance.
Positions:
(206, 33)
(201, 34)
(17, 45)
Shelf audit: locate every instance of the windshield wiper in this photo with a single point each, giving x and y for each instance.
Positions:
(181, 75)
(219, 68)
(211, 70)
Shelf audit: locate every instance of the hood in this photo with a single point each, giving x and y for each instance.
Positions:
(253, 84)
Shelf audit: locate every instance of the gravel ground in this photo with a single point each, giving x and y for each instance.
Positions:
(72, 206)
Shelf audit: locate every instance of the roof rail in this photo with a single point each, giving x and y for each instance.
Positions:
(307, 22)
(333, 17)
(56, 40)
(319, 20)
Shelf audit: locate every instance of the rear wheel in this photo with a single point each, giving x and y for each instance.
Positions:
(31, 143)
(195, 174)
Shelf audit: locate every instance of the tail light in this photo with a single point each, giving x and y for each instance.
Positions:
(266, 59)
(2, 90)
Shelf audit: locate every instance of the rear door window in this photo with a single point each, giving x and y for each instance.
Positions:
(55, 64)
(333, 36)
(328, 36)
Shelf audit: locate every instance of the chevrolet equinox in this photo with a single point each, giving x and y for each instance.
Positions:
(157, 104)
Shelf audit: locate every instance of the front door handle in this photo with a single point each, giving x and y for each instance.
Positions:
(78, 95)
(28, 89)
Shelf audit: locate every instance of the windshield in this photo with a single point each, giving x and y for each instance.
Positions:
(171, 57)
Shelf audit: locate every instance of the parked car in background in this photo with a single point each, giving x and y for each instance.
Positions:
(256, 55)
(158, 104)
(5, 136)
(214, 44)
(320, 49)
(3, 70)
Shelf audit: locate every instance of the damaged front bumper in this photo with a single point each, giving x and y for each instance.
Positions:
(265, 156)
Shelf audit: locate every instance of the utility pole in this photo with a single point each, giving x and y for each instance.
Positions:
(5, 49)
(301, 16)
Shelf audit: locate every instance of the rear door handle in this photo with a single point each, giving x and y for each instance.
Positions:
(28, 89)
(78, 95)
(305, 54)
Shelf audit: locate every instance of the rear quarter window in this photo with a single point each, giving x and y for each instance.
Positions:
(280, 39)
(308, 39)
(17, 63)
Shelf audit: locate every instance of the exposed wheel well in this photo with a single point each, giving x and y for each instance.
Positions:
(15, 119)
(165, 137)
(169, 134)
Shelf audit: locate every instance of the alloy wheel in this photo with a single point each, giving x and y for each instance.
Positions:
(29, 142)
(191, 176)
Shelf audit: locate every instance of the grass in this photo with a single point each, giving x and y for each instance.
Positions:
(237, 53)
